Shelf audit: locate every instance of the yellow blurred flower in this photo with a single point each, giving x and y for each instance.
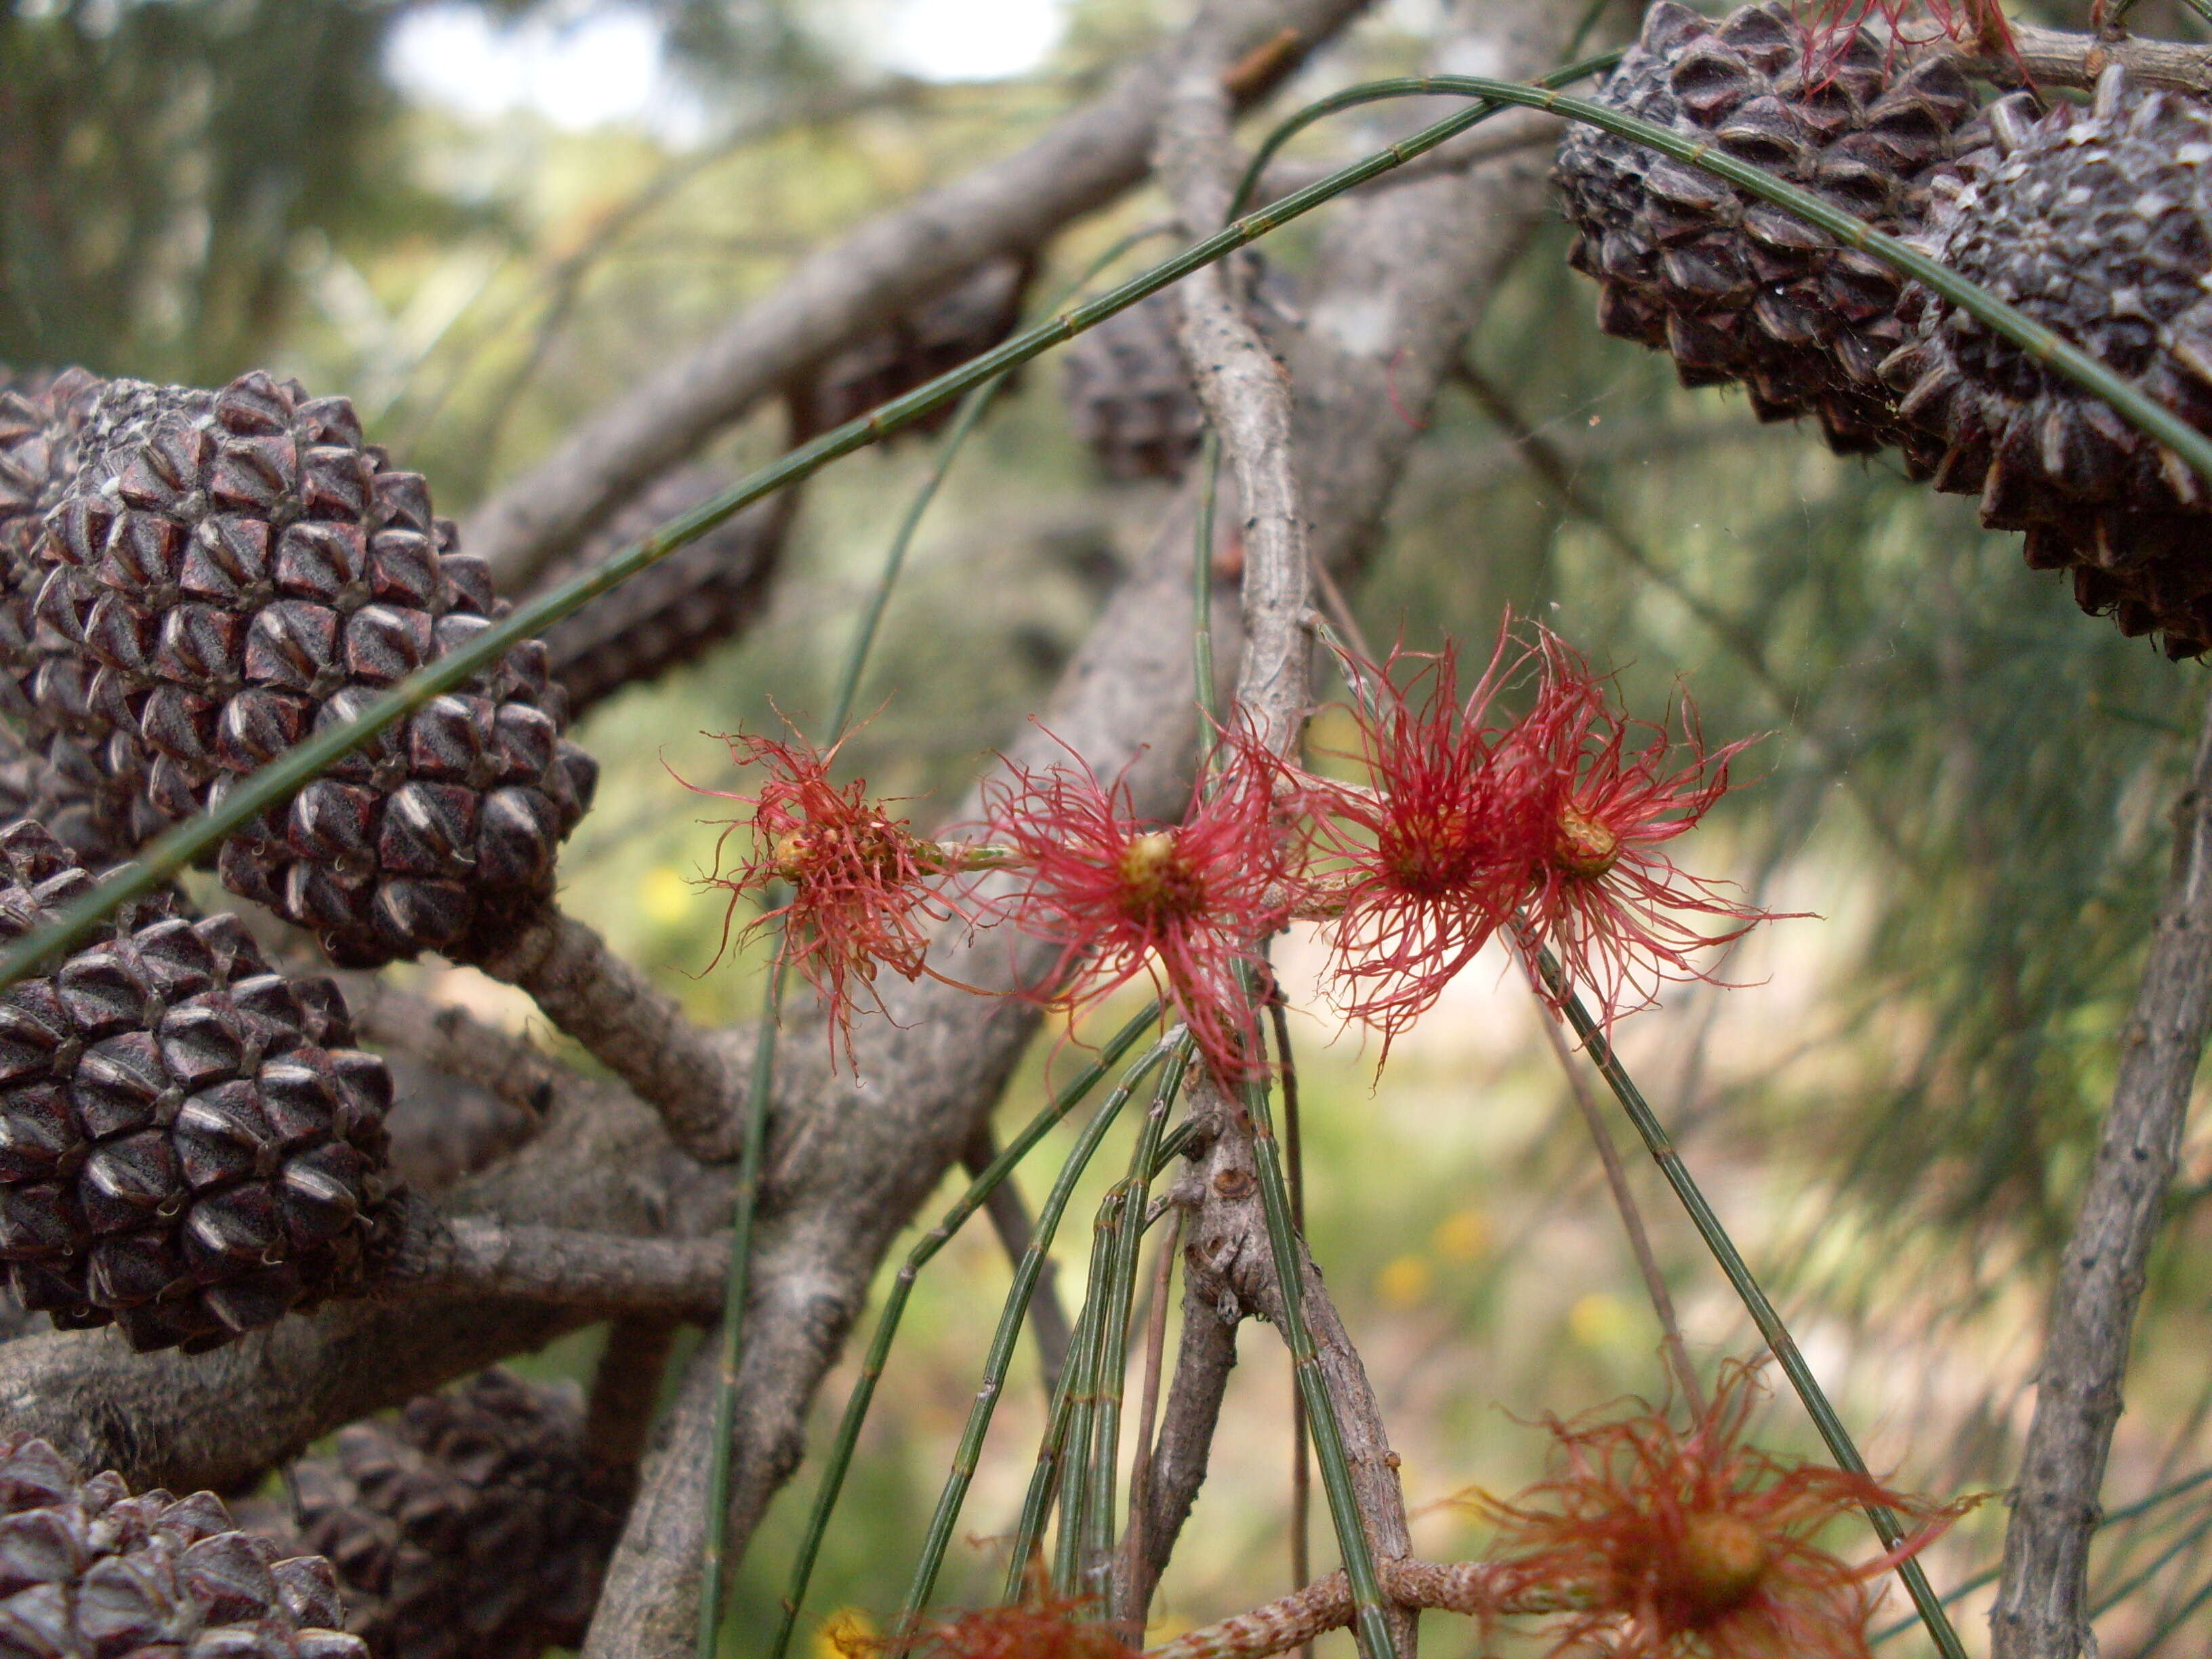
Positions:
(1462, 1236)
(1405, 1281)
(1600, 1320)
(665, 896)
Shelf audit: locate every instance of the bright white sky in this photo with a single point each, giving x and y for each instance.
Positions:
(606, 67)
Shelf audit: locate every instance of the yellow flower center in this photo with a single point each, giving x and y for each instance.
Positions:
(1157, 883)
(1724, 1558)
(792, 852)
(1582, 846)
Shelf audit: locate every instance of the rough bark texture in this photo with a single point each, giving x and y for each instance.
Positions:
(2042, 1609)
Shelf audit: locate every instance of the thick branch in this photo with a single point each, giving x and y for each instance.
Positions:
(625, 1396)
(2042, 1607)
(605, 1271)
(840, 292)
(691, 1078)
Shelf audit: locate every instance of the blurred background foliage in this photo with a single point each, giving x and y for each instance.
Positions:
(483, 221)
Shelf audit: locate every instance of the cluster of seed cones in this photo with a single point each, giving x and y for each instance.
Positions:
(2096, 222)
(469, 1526)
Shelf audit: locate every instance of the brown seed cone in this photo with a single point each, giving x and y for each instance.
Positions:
(232, 571)
(64, 781)
(1129, 398)
(965, 320)
(2097, 222)
(1735, 289)
(467, 1526)
(666, 616)
(188, 1147)
(88, 1571)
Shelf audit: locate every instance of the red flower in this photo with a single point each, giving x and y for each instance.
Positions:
(1668, 1545)
(1121, 895)
(1421, 868)
(858, 876)
(1603, 794)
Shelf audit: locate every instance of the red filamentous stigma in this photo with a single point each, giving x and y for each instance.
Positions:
(1668, 1545)
(861, 880)
(1119, 894)
(1602, 794)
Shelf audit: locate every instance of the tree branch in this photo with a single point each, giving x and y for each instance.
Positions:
(2042, 1610)
(452, 1041)
(840, 292)
(2056, 58)
(1325, 1605)
(694, 1078)
(1247, 399)
(466, 1256)
(1231, 1262)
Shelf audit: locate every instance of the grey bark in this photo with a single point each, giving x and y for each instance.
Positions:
(2042, 1606)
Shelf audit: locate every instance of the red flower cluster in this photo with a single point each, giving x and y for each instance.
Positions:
(1549, 826)
(1668, 1545)
(1120, 894)
(859, 878)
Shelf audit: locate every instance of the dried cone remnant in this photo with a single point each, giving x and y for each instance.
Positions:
(666, 616)
(1674, 1545)
(1130, 397)
(1049, 1627)
(1734, 289)
(2097, 222)
(468, 1526)
(188, 1147)
(940, 335)
(234, 571)
(89, 1571)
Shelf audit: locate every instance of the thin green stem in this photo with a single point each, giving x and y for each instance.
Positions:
(2174, 1620)
(1959, 1591)
(857, 1403)
(2120, 1592)
(1045, 1479)
(1077, 1488)
(1377, 92)
(1762, 1311)
(1369, 1621)
(731, 1333)
(1202, 595)
(939, 1535)
(1119, 1296)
